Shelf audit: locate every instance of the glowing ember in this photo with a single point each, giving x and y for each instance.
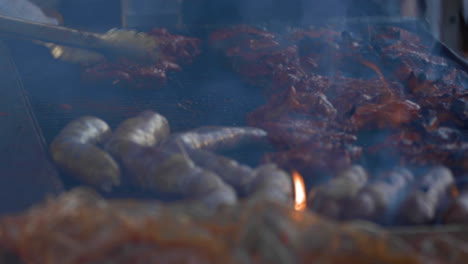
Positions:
(299, 192)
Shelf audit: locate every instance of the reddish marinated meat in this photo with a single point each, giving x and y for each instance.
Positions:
(128, 73)
(176, 48)
(175, 51)
(398, 34)
(389, 114)
(328, 51)
(260, 57)
(316, 157)
(459, 108)
(440, 146)
(447, 101)
(315, 105)
(348, 94)
(328, 89)
(291, 132)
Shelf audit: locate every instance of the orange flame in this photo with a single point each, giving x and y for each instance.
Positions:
(300, 197)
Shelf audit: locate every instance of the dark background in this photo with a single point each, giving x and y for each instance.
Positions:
(107, 13)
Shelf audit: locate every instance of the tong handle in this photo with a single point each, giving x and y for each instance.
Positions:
(69, 37)
(49, 33)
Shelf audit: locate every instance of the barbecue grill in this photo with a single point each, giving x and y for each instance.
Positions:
(42, 95)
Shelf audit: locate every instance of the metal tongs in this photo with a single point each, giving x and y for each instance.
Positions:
(115, 43)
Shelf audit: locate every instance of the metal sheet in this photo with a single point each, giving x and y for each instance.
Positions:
(26, 176)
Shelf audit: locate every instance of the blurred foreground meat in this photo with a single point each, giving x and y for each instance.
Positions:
(175, 52)
(80, 227)
(457, 212)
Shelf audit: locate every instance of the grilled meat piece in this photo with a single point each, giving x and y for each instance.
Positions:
(290, 131)
(175, 51)
(444, 145)
(390, 35)
(330, 51)
(257, 55)
(315, 157)
(405, 54)
(242, 35)
(445, 100)
(388, 114)
(127, 73)
(348, 95)
(309, 146)
(314, 105)
(76, 151)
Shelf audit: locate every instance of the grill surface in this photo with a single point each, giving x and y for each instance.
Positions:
(205, 93)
